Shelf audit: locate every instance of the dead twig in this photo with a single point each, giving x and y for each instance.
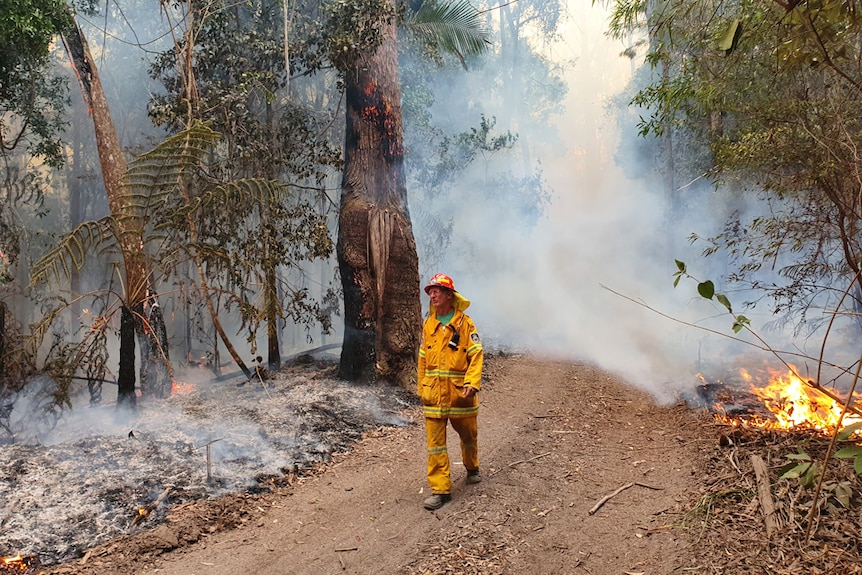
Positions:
(145, 511)
(514, 463)
(605, 499)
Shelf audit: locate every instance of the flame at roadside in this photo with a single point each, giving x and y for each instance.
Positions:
(793, 402)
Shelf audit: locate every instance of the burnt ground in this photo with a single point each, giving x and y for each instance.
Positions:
(556, 439)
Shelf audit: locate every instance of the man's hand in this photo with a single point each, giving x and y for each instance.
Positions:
(469, 391)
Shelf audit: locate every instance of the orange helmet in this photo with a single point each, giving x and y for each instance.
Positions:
(440, 280)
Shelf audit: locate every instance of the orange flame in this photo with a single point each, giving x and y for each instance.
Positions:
(20, 563)
(793, 402)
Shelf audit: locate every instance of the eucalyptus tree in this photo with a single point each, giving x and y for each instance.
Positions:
(31, 102)
(774, 89)
(376, 248)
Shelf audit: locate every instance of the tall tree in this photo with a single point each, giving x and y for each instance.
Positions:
(238, 84)
(128, 228)
(376, 249)
(32, 99)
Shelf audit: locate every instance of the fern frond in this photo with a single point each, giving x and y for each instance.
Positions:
(72, 250)
(154, 175)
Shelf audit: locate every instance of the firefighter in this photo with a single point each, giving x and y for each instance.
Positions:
(449, 378)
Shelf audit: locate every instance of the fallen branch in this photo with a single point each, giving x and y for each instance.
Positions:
(605, 499)
(145, 511)
(764, 494)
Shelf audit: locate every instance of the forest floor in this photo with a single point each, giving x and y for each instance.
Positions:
(582, 474)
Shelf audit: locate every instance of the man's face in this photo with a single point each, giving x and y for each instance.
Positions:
(441, 298)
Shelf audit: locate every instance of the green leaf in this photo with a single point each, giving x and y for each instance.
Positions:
(848, 452)
(722, 299)
(731, 37)
(706, 289)
(676, 281)
(740, 322)
(848, 431)
(857, 465)
(455, 27)
(680, 266)
(809, 478)
(794, 471)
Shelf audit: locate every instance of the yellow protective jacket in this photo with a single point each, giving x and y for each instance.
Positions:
(443, 370)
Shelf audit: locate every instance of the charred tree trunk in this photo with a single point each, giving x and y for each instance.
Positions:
(126, 375)
(129, 226)
(376, 250)
(272, 317)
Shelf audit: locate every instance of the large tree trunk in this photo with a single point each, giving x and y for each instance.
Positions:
(376, 250)
(129, 226)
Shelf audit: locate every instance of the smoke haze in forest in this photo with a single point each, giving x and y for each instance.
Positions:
(543, 287)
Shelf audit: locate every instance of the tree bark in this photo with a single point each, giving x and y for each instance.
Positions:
(376, 250)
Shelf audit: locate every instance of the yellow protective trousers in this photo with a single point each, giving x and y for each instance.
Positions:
(438, 454)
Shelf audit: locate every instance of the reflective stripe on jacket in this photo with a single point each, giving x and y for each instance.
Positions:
(443, 371)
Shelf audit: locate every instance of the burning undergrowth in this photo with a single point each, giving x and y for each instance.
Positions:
(774, 399)
(100, 474)
(780, 498)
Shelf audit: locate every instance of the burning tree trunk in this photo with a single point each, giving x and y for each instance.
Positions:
(376, 250)
(128, 224)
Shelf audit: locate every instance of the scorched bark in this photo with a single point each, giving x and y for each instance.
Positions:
(376, 249)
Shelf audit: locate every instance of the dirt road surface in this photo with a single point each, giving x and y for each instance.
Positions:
(555, 439)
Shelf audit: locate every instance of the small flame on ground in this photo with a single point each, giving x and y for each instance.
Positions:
(793, 402)
(18, 563)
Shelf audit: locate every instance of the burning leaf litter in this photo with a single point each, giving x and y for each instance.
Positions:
(775, 399)
(87, 480)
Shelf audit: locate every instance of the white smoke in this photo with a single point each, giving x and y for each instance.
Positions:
(592, 281)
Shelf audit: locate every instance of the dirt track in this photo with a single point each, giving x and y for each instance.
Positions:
(554, 439)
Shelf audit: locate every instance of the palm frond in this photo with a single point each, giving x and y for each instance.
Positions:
(454, 27)
(72, 250)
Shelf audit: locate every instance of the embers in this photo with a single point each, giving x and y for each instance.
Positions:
(18, 564)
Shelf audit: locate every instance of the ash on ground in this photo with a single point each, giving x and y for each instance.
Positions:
(83, 482)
